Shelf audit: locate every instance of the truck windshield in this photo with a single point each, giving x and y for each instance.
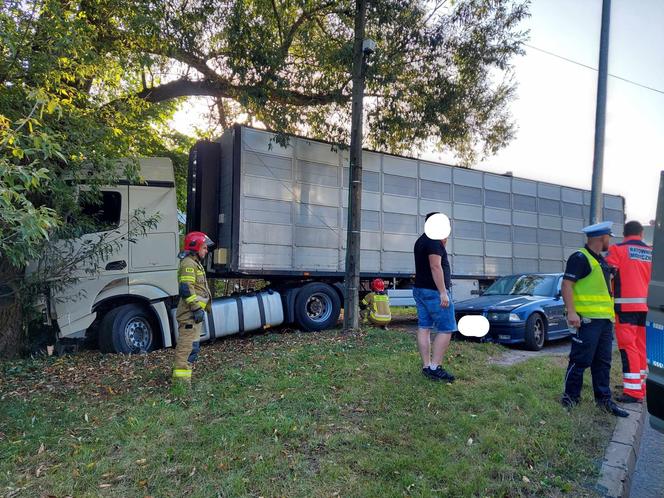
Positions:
(523, 285)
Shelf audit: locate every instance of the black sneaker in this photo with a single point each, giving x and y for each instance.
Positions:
(568, 402)
(626, 398)
(443, 374)
(429, 374)
(610, 407)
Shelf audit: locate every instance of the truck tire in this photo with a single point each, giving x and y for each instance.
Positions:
(317, 307)
(535, 332)
(127, 329)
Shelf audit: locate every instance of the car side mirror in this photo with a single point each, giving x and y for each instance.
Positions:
(559, 294)
(475, 292)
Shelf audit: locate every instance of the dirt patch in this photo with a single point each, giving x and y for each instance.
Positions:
(559, 350)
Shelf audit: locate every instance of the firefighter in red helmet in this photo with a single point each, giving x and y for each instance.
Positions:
(377, 304)
(194, 301)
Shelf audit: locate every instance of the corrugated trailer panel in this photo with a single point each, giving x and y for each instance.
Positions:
(291, 211)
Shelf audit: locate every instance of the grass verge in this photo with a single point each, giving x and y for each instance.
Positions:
(296, 415)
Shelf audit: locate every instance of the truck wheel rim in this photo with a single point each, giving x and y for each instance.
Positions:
(319, 307)
(138, 334)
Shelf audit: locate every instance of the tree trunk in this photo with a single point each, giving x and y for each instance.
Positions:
(12, 337)
(11, 330)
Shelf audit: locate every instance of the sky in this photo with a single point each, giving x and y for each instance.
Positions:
(555, 108)
(555, 105)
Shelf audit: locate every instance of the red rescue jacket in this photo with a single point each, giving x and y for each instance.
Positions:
(633, 260)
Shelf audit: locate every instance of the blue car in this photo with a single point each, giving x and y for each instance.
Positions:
(525, 308)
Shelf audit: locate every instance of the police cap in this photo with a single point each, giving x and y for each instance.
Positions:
(599, 229)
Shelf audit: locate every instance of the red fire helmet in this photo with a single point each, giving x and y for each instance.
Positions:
(195, 240)
(377, 285)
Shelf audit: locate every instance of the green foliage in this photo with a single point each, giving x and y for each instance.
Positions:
(58, 74)
(440, 75)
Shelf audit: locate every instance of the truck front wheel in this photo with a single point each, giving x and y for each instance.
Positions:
(317, 307)
(127, 329)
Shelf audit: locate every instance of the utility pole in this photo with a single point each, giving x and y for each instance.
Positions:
(596, 203)
(351, 297)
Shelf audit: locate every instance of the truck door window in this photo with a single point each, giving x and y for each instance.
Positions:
(102, 214)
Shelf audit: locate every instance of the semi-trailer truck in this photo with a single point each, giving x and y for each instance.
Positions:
(276, 208)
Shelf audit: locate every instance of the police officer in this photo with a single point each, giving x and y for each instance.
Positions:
(194, 301)
(633, 260)
(586, 292)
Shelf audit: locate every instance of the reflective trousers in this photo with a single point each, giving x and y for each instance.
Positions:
(186, 350)
(631, 338)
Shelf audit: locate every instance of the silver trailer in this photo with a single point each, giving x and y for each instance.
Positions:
(276, 207)
(282, 211)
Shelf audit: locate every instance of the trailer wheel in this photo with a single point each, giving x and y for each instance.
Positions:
(128, 329)
(317, 307)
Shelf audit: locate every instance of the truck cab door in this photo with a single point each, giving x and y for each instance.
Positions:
(108, 273)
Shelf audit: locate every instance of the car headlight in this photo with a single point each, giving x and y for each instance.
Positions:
(494, 316)
(515, 318)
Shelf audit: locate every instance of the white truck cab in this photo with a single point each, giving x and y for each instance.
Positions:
(137, 282)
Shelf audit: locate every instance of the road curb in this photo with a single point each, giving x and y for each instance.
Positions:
(620, 456)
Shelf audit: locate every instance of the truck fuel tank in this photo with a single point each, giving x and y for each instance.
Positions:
(232, 315)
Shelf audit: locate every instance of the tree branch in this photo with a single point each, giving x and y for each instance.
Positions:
(278, 19)
(223, 89)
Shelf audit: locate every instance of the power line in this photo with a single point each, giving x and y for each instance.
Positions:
(626, 80)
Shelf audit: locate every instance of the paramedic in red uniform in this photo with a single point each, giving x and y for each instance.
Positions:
(633, 260)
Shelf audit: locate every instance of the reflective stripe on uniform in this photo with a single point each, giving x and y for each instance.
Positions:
(191, 299)
(181, 373)
(187, 279)
(631, 300)
(629, 385)
(628, 375)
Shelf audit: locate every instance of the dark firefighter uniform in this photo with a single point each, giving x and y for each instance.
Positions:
(194, 302)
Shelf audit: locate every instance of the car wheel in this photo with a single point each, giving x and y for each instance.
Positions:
(127, 329)
(535, 332)
(317, 307)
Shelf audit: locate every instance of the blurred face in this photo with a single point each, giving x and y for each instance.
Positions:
(202, 252)
(606, 242)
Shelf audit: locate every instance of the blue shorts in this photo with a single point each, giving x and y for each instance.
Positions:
(430, 315)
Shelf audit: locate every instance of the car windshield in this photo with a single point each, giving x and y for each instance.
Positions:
(523, 285)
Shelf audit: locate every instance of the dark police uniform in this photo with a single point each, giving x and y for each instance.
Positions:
(591, 346)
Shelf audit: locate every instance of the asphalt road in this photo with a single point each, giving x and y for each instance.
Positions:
(648, 478)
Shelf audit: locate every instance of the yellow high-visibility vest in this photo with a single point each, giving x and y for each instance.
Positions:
(591, 296)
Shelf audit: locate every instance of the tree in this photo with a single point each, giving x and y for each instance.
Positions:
(440, 73)
(56, 132)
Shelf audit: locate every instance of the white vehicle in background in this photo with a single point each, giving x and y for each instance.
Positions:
(278, 213)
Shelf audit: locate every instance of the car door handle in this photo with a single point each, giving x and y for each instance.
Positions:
(117, 265)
